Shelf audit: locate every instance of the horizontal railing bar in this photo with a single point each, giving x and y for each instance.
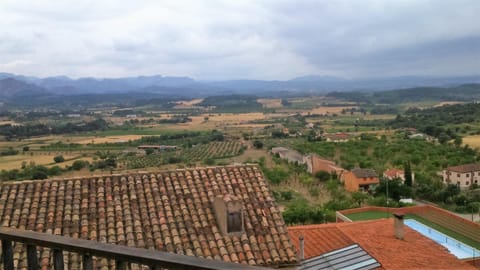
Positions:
(117, 252)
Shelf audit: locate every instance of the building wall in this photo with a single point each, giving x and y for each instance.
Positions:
(464, 180)
(350, 182)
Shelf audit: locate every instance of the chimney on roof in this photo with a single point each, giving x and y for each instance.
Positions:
(229, 213)
(398, 225)
(301, 240)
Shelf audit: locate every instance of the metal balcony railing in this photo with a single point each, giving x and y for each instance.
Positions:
(88, 249)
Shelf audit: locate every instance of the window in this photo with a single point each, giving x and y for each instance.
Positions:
(468, 175)
(234, 222)
(458, 175)
(476, 181)
(467, 183)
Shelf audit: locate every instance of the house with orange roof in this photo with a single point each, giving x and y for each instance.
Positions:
(360, 180)
(374, 244)
(337, 137)
(395, 173)
(315, 164)
(464, 175)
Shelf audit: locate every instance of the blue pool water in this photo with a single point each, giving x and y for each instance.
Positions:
(457, 248)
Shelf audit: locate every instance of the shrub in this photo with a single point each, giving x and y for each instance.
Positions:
(323, 176)
(257, 144)
(59, 159)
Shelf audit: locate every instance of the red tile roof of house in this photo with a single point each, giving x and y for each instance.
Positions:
(170, 211)
(376, 237)
(319, 239)
(364, 173)
(474, 167)
(392, 173)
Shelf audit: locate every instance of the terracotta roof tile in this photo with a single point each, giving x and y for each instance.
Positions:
(376, 237)
(318, 239)
(474, 167)
(169, 211)
(364, 173)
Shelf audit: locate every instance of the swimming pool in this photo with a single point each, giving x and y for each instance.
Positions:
(457, 248)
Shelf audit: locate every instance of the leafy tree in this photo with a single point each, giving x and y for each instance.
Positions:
(209, 161)
(26, 148)
(323, 176)
(59, 159)
(79, 164)
(396, 189)
(359, 197)
(458, 141)
(149, 151)
(257, 144)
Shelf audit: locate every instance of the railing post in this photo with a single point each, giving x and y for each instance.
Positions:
(155, 267)
(32, 259)
(120, 265)
(58, 259)
(7, 254)
(87, 262)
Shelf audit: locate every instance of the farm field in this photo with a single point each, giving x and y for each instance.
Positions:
(212, 150)
(109, 139)
(15, 162)
(472, 141)
(270, 102)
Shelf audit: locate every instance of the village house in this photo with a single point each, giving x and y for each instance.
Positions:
(463, 176)
(315, 164)
(373, 244)
(217, 213)
(365, 180)
(395, 173)
(289, 155)
(337, 137)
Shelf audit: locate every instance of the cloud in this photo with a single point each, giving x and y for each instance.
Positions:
(240, 39)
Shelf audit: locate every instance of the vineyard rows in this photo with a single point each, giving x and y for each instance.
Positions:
(212, 150)
(200, 152)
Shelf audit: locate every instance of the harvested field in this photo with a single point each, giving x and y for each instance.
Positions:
(447, 103)
(472, 141)
(110, 139)
(15, 162)
(329, 110)
(270, 102)
(186, 104)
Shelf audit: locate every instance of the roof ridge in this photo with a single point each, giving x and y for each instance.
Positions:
(28, 181)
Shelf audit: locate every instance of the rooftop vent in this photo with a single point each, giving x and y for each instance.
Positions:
(229, 214)
(398, 225)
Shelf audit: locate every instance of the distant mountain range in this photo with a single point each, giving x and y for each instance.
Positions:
(12, 85)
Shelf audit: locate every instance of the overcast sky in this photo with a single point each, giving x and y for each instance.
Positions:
(240, 39)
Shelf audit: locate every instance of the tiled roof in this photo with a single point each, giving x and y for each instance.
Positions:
(392, 173)
(364, 173)
(319, 239)
(322, 164)
(474, 167)
(377, 238)
(169, 211)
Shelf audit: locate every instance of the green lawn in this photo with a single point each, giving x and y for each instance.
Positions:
(368, 215)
